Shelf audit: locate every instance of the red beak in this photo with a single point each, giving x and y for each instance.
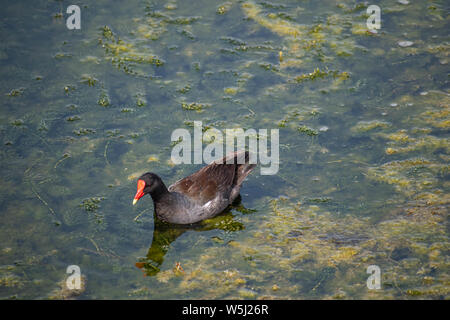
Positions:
(140, 191)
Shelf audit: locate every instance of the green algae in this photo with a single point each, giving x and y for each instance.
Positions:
(103, 100)
(362, 192)
(318, 74)
(84, 131)
(277, 25)
(308, 131)
(224, 8)
(296, 114)
(196, 106)
(364, 126)
(91, 204)
(15, 92)
(17, 122)
(185, 89)
(124, 54)
(11, 280)
(64, 293)
(141, 101)
(310, 249)
(89, 80)
(73, 118)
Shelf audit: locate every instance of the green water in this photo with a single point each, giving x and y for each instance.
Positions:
(364, 150)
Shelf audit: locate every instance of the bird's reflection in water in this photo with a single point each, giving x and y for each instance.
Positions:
(165, 233)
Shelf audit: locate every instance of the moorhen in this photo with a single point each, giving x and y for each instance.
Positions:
(202, 195)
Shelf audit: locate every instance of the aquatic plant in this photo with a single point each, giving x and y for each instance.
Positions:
(370, 187)
(309, 131)
(124, 54)
(196, 106)
(224, 8)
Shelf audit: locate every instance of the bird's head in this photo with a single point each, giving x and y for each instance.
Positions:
(147, 183)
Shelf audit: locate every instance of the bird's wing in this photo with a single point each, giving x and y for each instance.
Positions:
(207, 183)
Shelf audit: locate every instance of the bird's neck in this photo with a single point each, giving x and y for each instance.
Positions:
(159, 192)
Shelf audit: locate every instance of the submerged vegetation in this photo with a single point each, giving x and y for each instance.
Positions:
(321, 74)
(364, 150)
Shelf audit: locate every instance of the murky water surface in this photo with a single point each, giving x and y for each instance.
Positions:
(364, 149)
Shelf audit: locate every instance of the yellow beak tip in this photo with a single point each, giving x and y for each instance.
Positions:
(134, 201)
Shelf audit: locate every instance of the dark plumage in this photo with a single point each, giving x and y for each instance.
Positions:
(202, 195)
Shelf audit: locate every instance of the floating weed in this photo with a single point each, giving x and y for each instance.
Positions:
(17, 122)
(275, 24)
(438, 115)
(69, 88)
(185, 89)
(269, 67)
(139, 292)
(89, 80)
(281, 15)
(355, 8)
(141, 101)
(171, 6)
(112, 132)
(196, 106)
(206, 125)
(234, 41)
(73, 118)
(196, 65)
(230, 90)
(63, 292)
(298, 114)
(364, 126)
(187, 34)
(308, 131)
(426, 142)
(124, 54)
(360, 29)
(90, 59)
(319, 74)
(62, 55)
(107, 33)
(305, 43)
(226, 223)
(217, 240)
(150, 31)
(91, 204)
(343, 254)
(11, 280)
(319, 200)
(153, 158)
(272, 5)
(134, 176)
(15, 92)
(397, 174)
(399, 136)
(224, 8)
(126, 110)
(417, 177)
(83, 131)
(64, 157)
(58, 15)
(103, 100)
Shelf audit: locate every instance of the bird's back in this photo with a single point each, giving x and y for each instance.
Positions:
(208, 191)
